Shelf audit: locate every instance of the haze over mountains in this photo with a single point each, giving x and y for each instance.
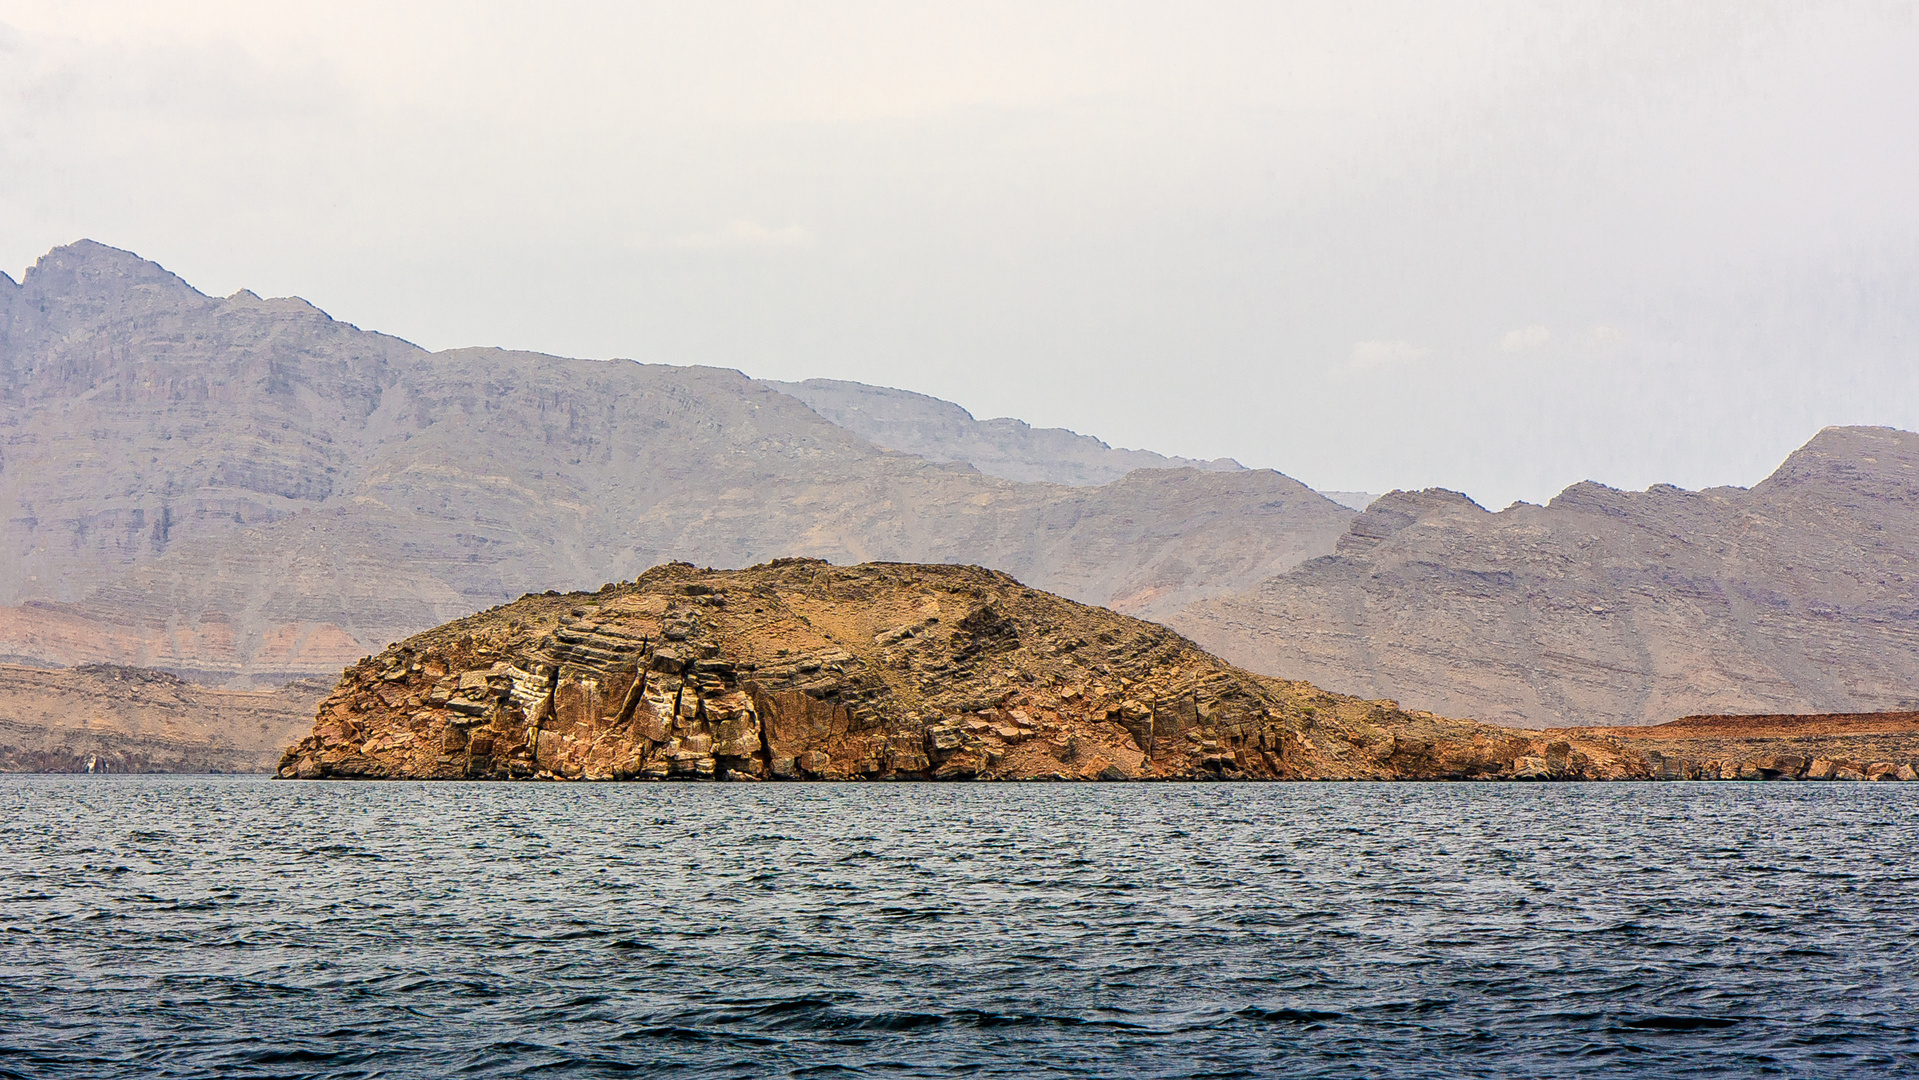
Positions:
(1013, 449)
(942, 431)
(249, 488)
(1613, 607)
(246, 490)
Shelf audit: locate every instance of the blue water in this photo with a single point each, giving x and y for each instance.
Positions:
(190, 926)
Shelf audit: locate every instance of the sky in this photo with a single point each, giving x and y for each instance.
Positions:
(1499, 248)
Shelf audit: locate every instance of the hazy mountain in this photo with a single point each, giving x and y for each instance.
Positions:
(1012, 449)
(247, 487)
(1614, 607)
(110, 719)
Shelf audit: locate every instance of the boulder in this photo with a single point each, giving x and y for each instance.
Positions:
(1821, 769)
(785, 768)
(1558, 754)
(942, 739)
(960, 766)
(737, 736)
(1784, 767)
(814, 763)
(688, 763)
(1531, 768)
(908, 761)
(1905, 773)
(651, 725)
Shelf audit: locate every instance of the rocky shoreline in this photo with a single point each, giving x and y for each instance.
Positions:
(1810, 746)
(800, 670)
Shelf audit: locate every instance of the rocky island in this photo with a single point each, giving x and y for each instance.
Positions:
(798, 669)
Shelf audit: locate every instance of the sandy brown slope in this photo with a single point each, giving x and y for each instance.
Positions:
(1614, 607)
(115, 720)
(803, 669)
(249, 488)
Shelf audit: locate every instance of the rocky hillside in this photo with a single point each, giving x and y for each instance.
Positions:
(1011, 449)
(107, 719)
(246, 489)
(801, 669)
(1613, 607)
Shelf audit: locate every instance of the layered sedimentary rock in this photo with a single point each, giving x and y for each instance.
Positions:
(107, 719)
(248, 488)
(1613, 607)
(800, 669)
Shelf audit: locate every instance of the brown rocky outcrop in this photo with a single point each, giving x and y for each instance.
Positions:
(799, 669)
(1799, 746)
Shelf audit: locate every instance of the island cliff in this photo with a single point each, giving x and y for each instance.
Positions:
(798, 669)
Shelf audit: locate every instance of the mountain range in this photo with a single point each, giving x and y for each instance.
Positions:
(247, 489)
(244, 491)
(1609, 607)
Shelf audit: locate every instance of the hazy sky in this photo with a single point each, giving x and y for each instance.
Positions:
(1494, 247)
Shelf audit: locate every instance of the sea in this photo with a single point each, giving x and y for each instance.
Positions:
(166, 926)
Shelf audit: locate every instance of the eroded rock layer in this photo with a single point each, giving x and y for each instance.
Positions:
(799, 669)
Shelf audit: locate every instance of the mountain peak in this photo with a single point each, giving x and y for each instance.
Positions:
(87, 270)
(1850, 458)
(1397, 510)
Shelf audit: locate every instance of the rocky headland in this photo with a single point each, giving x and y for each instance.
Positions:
(798, 669)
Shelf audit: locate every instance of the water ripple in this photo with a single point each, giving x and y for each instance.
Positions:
(176, 926)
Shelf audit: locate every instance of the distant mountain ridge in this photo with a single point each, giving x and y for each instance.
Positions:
(249, 489)
(1010, 449)
(246, 490)
(1610, 607)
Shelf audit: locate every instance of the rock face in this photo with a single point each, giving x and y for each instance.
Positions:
(107, 719)
(247, 488)
(1610, 607)
(799, 669)
(1873, 746)
(1010, 449)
